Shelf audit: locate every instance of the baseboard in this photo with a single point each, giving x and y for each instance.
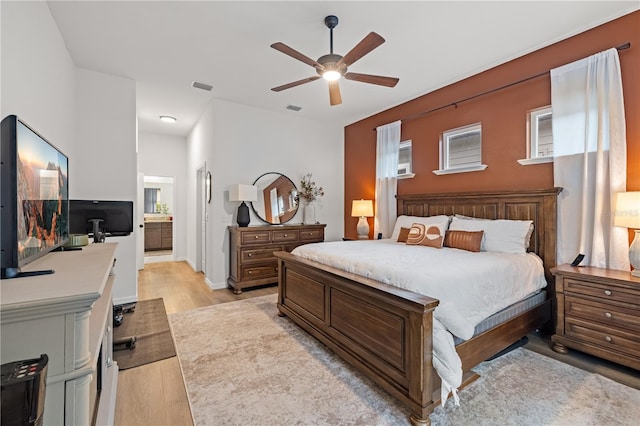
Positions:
(215, 286)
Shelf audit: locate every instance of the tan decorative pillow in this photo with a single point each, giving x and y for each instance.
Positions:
(404, 234)
(464, 240)
(420, 235)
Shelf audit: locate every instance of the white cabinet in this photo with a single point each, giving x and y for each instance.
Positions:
(68, 316)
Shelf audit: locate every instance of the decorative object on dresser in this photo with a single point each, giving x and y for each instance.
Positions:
(362, 209)
(243, 193)
(598, 311)
(252, 262)
(628, 216)
(277, 201)
(309, 192)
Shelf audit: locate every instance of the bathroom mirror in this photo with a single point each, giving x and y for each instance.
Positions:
(277, 198)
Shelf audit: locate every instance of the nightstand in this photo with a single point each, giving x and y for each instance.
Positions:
(598, 313)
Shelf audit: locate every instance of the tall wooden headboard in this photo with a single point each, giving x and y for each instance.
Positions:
(538, 205)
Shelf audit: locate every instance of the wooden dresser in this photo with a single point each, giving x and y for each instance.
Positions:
(598, 313)
(251, 251)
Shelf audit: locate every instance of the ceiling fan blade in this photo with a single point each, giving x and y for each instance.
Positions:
(295, 54)
(334, 93)
(295, 83)
(366, 45)
(372, 79)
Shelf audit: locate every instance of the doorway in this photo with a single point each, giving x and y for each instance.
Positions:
(201, 219)
(159, 229)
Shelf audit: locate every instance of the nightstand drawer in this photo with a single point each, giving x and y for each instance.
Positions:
(256, 237)
(312, 234)
(608, 338)
(600, 290)
(610, 315)
(285, 236)
(258, 254)
(257, 272)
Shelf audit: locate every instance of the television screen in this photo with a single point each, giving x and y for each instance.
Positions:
(115, 217)
(35, 195)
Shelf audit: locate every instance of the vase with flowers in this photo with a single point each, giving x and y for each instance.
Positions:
(308, 193)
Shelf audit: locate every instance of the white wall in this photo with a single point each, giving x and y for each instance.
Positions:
(90, 116)
(165, 155)
(106, 165)
(238, 144)
(38, 74)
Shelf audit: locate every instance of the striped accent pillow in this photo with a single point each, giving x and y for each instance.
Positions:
(464, 240)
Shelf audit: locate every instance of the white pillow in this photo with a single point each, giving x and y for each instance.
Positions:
(500, 235)
(403, 221)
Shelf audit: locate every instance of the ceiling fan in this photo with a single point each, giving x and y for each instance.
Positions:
(333, 66)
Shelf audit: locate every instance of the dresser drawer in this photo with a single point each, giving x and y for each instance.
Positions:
(609, 315)
(601, 291)
(285, 236)
(258, 253)
(256, 272)
(256, 237)
(609, 338)
(312, 234)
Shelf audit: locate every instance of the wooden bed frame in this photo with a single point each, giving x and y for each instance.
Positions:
(384, 331)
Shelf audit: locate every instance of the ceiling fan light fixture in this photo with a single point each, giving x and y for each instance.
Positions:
(331, 75)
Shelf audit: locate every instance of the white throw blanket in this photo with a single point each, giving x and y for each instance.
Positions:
(470, 286)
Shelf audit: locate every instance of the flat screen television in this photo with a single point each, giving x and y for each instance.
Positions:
(115, 218)
(34, 192)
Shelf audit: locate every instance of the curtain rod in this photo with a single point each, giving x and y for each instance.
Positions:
(623, 46)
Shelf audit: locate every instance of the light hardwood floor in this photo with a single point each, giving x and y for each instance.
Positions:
(154, 394)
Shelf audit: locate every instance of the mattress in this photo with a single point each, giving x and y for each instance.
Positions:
(507, 313)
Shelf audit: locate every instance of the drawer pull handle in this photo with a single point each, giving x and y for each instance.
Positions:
(250, 272)
(250, 254)
(608, 338)
(256, 237)
(607, 292)
(608, 314)
(285, 235)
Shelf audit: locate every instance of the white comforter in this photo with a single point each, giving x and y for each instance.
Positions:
(470, 286)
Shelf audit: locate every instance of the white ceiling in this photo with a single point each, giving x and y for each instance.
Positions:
(165, 45)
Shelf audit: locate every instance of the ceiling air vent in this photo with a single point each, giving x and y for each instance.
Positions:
(202, 86)
(294, 108)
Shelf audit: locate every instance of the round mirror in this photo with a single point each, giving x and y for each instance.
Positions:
(277, 201)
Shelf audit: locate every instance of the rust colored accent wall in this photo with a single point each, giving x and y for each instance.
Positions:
(503, 118)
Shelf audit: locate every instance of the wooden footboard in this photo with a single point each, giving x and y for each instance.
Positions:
(383, 331)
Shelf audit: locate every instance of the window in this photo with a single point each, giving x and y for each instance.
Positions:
(539, 137)
(404, 160)
(461, 150)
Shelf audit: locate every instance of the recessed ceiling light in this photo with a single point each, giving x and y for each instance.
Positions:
(168, 119)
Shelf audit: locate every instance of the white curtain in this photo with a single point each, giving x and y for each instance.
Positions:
(387, 148)
(590, 159)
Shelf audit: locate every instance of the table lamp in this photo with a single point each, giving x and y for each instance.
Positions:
(362, 209)
(628, 215)
(240, 192)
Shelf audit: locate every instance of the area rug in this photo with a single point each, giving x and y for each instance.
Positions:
(150, 326)
(242, 364)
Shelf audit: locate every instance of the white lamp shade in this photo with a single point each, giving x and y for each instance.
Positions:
(627, 212)
(361, 208)
(240, 192)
